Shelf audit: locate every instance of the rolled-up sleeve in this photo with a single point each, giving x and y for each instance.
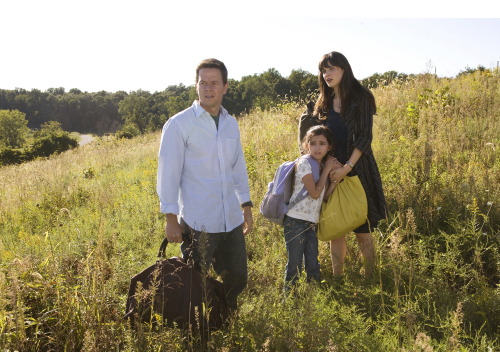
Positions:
(170, 166)
(364, 137)
(240, 175)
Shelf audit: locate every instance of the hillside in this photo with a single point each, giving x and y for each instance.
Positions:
(75, 227)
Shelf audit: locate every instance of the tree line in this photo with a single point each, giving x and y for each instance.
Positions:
(142, 111)
(136, 112)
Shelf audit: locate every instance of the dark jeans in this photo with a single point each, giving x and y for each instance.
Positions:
(226, 251)
(301, 242)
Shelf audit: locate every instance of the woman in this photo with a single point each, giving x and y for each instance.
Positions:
(347, 108)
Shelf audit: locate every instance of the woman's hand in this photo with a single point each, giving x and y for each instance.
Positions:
(338, 174)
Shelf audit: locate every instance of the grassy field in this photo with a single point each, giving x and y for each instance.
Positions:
(76, 227)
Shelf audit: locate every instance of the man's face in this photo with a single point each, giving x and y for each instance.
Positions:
(210, 89)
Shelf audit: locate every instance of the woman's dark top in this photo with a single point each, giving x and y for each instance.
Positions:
(358, 121)
(337, 126)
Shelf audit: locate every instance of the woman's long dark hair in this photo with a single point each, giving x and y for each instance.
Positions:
(351, 90)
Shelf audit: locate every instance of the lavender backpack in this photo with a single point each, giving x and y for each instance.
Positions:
(276, 202)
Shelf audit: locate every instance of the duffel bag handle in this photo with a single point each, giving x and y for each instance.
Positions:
(163, 246)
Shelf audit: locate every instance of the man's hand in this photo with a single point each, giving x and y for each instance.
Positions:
(173, 229)
(248, 220)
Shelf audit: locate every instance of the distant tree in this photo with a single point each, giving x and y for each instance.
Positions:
(56, 91)
(128, 131)
(286, 88)
(119, 96)
(271, 77)
(13, 128)
(468, 70)
(176, 104)
(48, 128)
(134, 109)
(233, 101)
(303, 83)
(385, 78)
(141, 93)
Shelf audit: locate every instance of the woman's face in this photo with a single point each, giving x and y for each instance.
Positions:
(332, 76)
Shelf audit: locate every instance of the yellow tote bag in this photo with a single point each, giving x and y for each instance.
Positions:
(345, 210)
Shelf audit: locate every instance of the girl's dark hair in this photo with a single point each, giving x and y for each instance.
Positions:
(350, 89)
(318, 130)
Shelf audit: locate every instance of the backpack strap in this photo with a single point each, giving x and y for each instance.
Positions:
(314, 166)
(303, 192)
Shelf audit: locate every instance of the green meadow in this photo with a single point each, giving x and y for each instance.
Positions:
(75, 227)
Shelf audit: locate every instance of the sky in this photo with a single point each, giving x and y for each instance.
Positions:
(149, 45)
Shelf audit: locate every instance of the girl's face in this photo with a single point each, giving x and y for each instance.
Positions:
(318, 147)
(332, 76)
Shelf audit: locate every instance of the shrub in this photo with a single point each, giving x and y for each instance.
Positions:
(128, 131)
(55, 142)
(12, 156)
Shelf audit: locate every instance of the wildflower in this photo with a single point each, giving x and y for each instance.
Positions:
(438, 208)
(36, 276)
(489, 204)
(485, 234)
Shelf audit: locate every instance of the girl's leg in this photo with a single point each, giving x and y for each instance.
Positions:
(295, 243)
(311, 262)
(365, 244)
(338, 250)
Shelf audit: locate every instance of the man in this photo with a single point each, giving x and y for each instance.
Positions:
(202, 177)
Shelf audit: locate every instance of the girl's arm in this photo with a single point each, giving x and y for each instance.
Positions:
(314, 189)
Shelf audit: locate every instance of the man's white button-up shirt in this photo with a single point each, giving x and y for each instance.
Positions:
(202, 175)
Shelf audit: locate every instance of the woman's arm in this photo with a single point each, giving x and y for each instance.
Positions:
(364, 135)
(338, 174)
(361, 143)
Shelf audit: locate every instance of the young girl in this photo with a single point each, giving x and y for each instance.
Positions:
(300, 221)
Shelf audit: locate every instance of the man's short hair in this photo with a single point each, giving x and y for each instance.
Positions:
(212, 63)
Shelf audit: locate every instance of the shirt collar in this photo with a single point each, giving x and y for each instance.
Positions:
(198, 110)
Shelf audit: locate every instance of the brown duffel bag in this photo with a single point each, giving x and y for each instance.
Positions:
(177, 294)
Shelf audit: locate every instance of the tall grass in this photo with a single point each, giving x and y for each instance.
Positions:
(75, 227)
